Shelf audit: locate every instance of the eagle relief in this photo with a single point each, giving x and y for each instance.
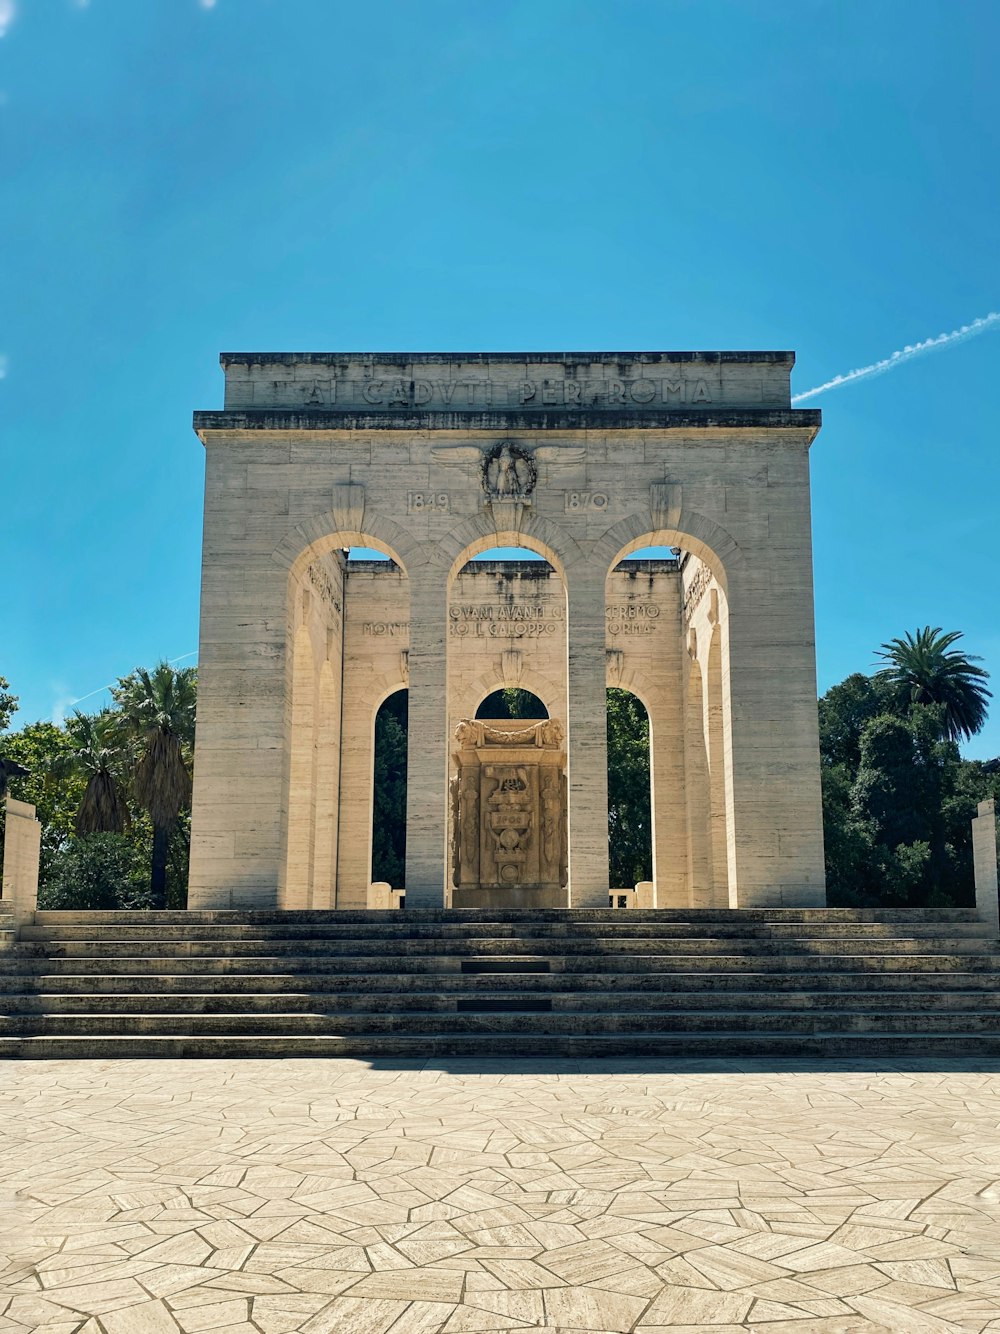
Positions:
(509, 473)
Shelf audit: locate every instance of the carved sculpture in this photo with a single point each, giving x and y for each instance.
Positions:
(509, 813)
(551, 842)
(509, 473)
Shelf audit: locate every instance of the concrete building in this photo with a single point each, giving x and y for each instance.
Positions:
(584, 459)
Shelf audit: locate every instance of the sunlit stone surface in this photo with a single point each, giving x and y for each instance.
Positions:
(336, 1197)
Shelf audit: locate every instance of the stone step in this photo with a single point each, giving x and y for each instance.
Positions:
(548, 1024)
(435, 947)
(589, 962)
(421, 985)
(416, 1051)
(834, 984)
(431, 1002)
(399, 929)
(281, 917)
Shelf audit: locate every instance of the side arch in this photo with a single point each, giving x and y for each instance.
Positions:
(548, 690)
(473, 536)
(704, 538)
(320, 534)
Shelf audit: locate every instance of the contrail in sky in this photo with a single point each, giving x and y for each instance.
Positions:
(906, 354)
(58, 714)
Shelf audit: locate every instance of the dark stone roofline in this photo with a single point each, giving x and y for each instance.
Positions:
(484, 358)
(325, 419)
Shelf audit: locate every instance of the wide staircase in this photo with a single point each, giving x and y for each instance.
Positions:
(433, 984)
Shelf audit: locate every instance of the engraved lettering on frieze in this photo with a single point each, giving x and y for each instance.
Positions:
(517, 620)
(632, 618)
(477, 392)
(576, 501)
(323, 585)
(419, 502)
(380, 629)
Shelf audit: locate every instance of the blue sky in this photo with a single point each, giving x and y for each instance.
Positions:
(180, 178)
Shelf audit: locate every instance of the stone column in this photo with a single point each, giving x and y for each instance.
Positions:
(22, 846)
(357, 773)
(984, 858)
(775, 835)
(587, 737)
(667, 808)
(240, 779)
(427, 747)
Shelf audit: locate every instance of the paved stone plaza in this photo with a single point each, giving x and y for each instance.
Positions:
(142, 1197)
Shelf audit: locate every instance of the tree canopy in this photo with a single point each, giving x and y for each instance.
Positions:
(157, 714)
(924, 669)
(898, 799)
(8, 704)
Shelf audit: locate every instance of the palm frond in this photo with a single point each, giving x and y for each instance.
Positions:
(923, 668)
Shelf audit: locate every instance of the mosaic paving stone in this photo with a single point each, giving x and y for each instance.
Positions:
(343, 1197)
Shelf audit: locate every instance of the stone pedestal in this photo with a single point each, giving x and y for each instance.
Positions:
(509, 815)
(984, 856)
(22, 847)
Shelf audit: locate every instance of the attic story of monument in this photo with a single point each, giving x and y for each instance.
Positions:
(433, 459)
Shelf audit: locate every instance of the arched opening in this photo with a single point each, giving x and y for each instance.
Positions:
(630, 832)
(506, 656)
(388, 864)
(667, 640)
(347, 628)
(512, 702)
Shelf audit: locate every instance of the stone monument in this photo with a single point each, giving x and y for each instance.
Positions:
(509, 815)
(587, 459)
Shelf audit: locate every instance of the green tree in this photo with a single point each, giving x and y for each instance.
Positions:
(629, 823)
(389, 815)
(98, 754)
(43, 749)
(844, 711)
(99, 871)
(923, 668)
(512, 702)
(8, 704)
(158, 712)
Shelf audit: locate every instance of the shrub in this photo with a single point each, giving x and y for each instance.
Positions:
(97, 871)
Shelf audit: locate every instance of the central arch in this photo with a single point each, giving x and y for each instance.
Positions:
(668, 641)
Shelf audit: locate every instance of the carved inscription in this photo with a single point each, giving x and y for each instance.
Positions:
(379, 629)
(528, 620)
(696, 591)
(586, 500)
(418, 502)
(632, 618)
(474, 392)
(518, 620)
(323, 585)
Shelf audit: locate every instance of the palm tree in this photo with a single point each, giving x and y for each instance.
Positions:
(158, 711)
(925, 669)
(97, 753)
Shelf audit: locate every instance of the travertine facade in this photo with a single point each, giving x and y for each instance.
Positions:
(435, 458)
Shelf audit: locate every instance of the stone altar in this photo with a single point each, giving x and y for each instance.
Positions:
(509, 814)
